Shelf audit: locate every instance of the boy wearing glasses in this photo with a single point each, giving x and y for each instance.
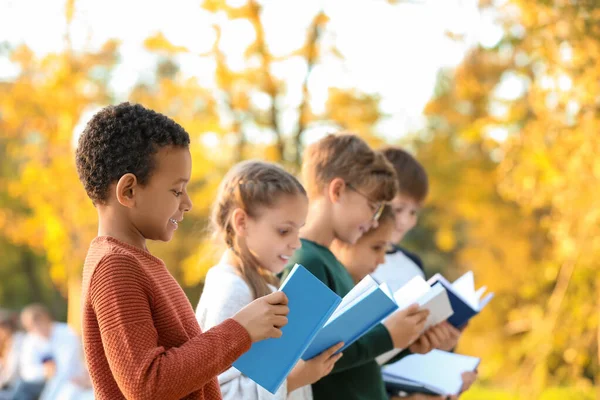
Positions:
(347, 185)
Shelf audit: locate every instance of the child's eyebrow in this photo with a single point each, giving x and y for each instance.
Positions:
(181, 180)
(295, 225)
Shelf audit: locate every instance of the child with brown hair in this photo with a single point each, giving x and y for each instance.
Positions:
(399, 265)
(348, 184)
(258, 212)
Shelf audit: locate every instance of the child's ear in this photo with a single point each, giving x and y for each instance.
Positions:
(335, 189)
(239, 220)
(126, 190)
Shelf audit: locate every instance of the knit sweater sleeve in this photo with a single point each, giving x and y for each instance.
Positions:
(122, 299)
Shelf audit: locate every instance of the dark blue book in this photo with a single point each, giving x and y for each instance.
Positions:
(311, 303)
(366, 305)
(464, 299)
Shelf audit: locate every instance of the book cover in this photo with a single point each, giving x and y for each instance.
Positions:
(311, 303)
(361, 309)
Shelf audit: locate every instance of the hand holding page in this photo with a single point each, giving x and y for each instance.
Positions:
(311, 303)
(435, 299)
(437, 372)
(465, 300)
(360, 310)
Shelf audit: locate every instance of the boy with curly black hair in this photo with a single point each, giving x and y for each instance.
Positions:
(140, 334)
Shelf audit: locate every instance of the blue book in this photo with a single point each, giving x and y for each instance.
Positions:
(367, 304)
(464, 299)
(311, 303)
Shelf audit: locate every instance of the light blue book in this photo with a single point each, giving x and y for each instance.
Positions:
(437, 372)
(367, 304)
(311, 303)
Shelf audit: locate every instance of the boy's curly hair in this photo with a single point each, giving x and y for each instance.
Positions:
(123, 139)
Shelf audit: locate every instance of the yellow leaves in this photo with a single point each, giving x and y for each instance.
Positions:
(213, 5)
(240, 101)
(353, 110)
(3, 219)
(40, 109)
(197, 264)
(272, 153)
(69, 10)
(246, 10)
(445, 239)
(570, 355)
(159, 43)
(24, 56)
(58, 273)
(321, 19)
(523, 223)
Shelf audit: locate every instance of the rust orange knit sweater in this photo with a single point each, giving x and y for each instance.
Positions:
(140, 334)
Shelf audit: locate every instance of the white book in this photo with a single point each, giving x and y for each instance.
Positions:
(438, 371)
(435, 299)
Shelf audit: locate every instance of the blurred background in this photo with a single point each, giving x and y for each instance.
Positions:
(499, 100)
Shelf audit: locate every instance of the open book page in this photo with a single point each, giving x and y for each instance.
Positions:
(365, 287)
(435, 299)
(480, 293)
(465, 285)
(386, 289)
(486, 300)
(411, 292)
(438, 304)
(437, 369)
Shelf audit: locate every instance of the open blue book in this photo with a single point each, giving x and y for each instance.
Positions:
(437, 373)
(311, 303)
(465, 300)
(361, 309)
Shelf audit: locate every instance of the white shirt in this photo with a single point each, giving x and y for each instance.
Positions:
(225, 293)
(63, 346)
(396, 271)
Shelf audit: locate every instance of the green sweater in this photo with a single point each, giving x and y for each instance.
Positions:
(356, 376)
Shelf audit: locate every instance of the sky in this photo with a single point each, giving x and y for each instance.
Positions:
(394, 51)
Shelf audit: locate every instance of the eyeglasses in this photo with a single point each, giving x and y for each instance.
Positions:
(378, 208)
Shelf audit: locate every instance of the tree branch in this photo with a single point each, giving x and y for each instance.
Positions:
(314, 33)
(270, 86)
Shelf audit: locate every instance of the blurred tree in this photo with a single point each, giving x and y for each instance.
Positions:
(252, 111)
(258, 100)
(48, 208)
(527, 107)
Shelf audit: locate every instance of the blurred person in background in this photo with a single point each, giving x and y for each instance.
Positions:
(11, 340)
(50, 356)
